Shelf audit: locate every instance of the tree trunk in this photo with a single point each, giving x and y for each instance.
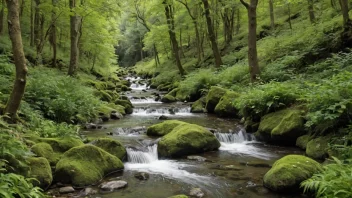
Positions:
(345, 9)
(32, 24)
(53, 38)
(214, 45)
(238, 25)
(74, 36)
(252, 39)
(289, 14)
(2, 17)
(175, 48)
(272, 16)
(14, 101)
(23, 5)
(311, 11)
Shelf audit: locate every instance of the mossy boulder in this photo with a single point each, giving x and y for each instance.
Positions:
(303, 141)
(43, 149)
(173, 92)
(111, 146)
(187, 139)
(199, 106)
(40, 170)
(163, 128)
(168, 99)
(288, 172)
(179, 196)
(318, 148)
(225, 107)
(126, 104)
(213, 98)
(85, 165)
(282, 127)
(62, 144)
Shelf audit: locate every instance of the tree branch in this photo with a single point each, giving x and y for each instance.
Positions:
(245, 4)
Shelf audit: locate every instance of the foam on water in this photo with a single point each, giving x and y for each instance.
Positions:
(182, 111)
(145, 101)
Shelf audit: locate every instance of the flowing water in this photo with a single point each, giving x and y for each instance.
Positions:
(235, 170)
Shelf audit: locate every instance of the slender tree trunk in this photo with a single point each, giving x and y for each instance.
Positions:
(74, 36)
(156, 55)
(14, 101)
(175, 49)
(311, 11)
(23, 4)
(53, 34)
(345, 9)
(272, 16)
(2, 12)
(238, 26)
(289, 14)
(252, 39)
(214, 45)
(199, 50)
(32, 24)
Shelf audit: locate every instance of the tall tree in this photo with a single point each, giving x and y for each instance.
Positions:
(345, 9)
(212, 37)
(272, 16)
(75, 25)
(2, 11)
(311, 11)
(252, 38)
(14, 101)
(53, 40)
(172, 34)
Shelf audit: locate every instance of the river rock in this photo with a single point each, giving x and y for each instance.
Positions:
(225, 107)
(67, 189)
(163, 128)
(197, 158)
(214, 95)
(187, 139)
(288, 172)
(303, 141)
(88, 192)
(199, 106)
(85, 165)
(179, 196)
(141, 176)
(111, 146)
(40, 170)
(196, 192)
(256, 164)
(282, 127)
(116, 115)
(163, 117)
(113, 185)
(318, 147)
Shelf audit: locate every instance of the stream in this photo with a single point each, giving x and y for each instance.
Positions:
(235, 170)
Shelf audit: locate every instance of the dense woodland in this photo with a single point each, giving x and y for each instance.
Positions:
(282, 68)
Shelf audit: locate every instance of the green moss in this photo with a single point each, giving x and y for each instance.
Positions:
(111, 146)
(199, 106)
(173, 92)
(318, 148)
(288, 172)
(163, 128)
(225, 107)
(179, 196)
(187, 139)
(284, 126)
(168, 99)
(62, 144)
(107, 108)
(85, 165)
(40, 170)
(164, 87)
(126, 104)
(303, 141)
(45, 150)
(213, 98)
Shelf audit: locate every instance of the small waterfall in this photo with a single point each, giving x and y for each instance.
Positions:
(230, 138)
(144, 101)
(162, 111)
(137, 86)
(143, 157)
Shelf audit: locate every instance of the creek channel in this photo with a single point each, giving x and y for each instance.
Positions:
(235, 170)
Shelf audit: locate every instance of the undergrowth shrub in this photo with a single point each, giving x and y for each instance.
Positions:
(263, 99)
(334, 181)
(59, 97)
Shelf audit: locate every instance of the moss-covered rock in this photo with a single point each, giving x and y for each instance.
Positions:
(111, 146)
(318, 148)
(85, 165)
(168, 99)
(62, 144)
(173, 92)
(288, 172)
(179, 196)
(225, 107)
(187, 139)
(282, 127)
(40, 170)
(43, 149)
(126, 104)
(213, 98)
(199, 106)
(163, 128)
(303, 141)
(163, 87)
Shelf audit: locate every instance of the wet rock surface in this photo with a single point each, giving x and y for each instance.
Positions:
(113, 185)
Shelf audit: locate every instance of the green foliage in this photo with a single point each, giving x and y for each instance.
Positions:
(262, 99)
(329, 100)
(59, 97)
(334, 181)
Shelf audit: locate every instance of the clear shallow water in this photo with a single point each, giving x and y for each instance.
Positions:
(228, 172)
